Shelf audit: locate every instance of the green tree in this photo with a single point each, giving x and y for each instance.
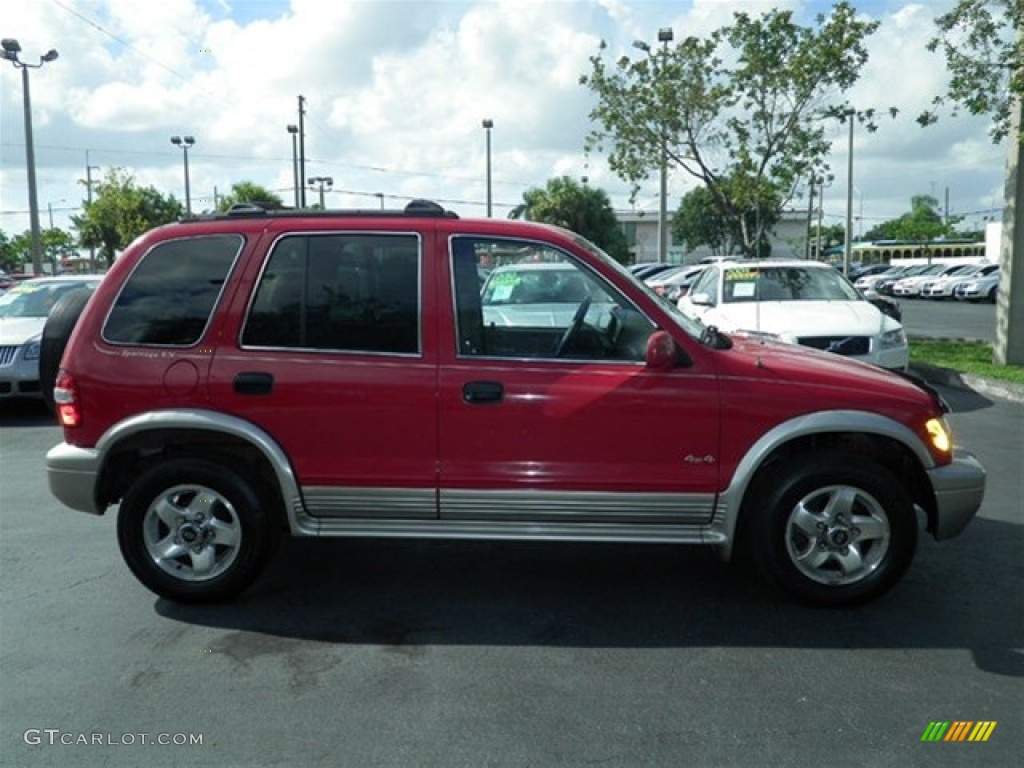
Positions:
(121, 211)
(828, 236)
(983, 46)
(585, 210)
(699, 221)
(922, 222)
(58, 244)
(742, 111)
(16, 252)
(983, 43)
(249, 192)
(10, 258)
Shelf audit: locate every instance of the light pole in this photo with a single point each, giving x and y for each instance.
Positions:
(322, 181)
(53, 255)
(11, 49)
(381, 196)
(665, 37)
(302, 151)
(294, 131)
(488, 124)
(185, 142)
(88, 196)
(848, 237)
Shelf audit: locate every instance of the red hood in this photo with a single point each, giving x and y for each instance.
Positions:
(854, 382)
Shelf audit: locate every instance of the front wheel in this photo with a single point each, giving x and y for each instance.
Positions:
(193, 531)
(834, 529)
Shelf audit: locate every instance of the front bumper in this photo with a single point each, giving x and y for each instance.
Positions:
(72, 473)
(959, 488)
(18, 377)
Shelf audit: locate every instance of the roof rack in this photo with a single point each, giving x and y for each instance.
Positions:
(415, 208)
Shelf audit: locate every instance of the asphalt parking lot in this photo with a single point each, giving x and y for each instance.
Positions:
(501, 654)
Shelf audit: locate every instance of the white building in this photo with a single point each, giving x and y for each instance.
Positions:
(788, 239)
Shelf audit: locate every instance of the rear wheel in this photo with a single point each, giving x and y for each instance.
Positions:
(193, 531)
(59, 325)
(834, 529)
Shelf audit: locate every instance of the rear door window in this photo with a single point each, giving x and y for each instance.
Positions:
(339, 292)
(170, 296)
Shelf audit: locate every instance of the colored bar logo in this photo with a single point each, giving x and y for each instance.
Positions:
(959, 730)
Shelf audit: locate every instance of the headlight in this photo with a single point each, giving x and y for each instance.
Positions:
(894, 339)
(32, 350)
(939, 436)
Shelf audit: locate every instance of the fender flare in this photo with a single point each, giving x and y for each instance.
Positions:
(730, 501)
(209, 421)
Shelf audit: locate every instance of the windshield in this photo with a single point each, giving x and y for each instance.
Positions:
(744, 284)
(34, 299)
(691, 326)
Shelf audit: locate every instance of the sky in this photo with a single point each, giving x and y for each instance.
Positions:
(396, 93)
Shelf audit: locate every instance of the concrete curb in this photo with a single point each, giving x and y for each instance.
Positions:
(1004, 390)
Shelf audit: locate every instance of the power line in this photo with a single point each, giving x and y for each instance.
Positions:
(102, 30)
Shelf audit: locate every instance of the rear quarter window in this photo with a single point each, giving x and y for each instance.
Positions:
(171, 294)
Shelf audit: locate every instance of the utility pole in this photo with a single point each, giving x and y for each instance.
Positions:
(88, 197)
(810, 218)
(302, 151)
(1009, 346)
(848, 241)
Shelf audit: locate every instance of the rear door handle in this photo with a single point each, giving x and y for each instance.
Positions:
(254, 383)
(482, 391)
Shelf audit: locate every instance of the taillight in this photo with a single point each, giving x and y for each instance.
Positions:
(66, 400)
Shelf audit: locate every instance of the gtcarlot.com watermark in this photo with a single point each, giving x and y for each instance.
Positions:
(54, 736)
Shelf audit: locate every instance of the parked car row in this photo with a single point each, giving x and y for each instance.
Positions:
(980, 282)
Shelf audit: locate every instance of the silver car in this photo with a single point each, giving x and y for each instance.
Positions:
(23, 312)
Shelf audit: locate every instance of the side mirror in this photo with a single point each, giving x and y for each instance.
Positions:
(700, 299)
(662, 352)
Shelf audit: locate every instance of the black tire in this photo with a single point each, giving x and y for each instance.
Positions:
(832, 529)
(59, 325)
(213, 531)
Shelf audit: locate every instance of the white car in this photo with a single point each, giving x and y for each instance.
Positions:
(674, 283)
(979, 288)
(802, 302)
(911, 286)
(944, 287)
(23, 312)
(868, 282)
(540, 295)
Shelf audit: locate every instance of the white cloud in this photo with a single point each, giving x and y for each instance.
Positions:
(396, 92)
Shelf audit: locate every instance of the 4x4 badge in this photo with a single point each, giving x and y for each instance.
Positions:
(691, 459)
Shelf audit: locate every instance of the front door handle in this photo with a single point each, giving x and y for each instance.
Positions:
(254, 383)
(482, 391)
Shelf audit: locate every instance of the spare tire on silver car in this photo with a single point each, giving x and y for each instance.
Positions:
(59, 325)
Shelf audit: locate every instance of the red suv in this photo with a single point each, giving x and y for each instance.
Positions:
(258, 374)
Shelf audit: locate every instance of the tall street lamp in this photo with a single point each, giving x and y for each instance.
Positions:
(665, 37)
(185, 142)
(848, 237)
(53, 254)
(321, 181)
(11, 49)
(488, 124)
(294, 131)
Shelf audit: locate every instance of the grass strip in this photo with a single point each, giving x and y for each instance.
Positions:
(973, 358)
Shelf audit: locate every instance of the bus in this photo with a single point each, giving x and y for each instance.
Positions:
(908, 252)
